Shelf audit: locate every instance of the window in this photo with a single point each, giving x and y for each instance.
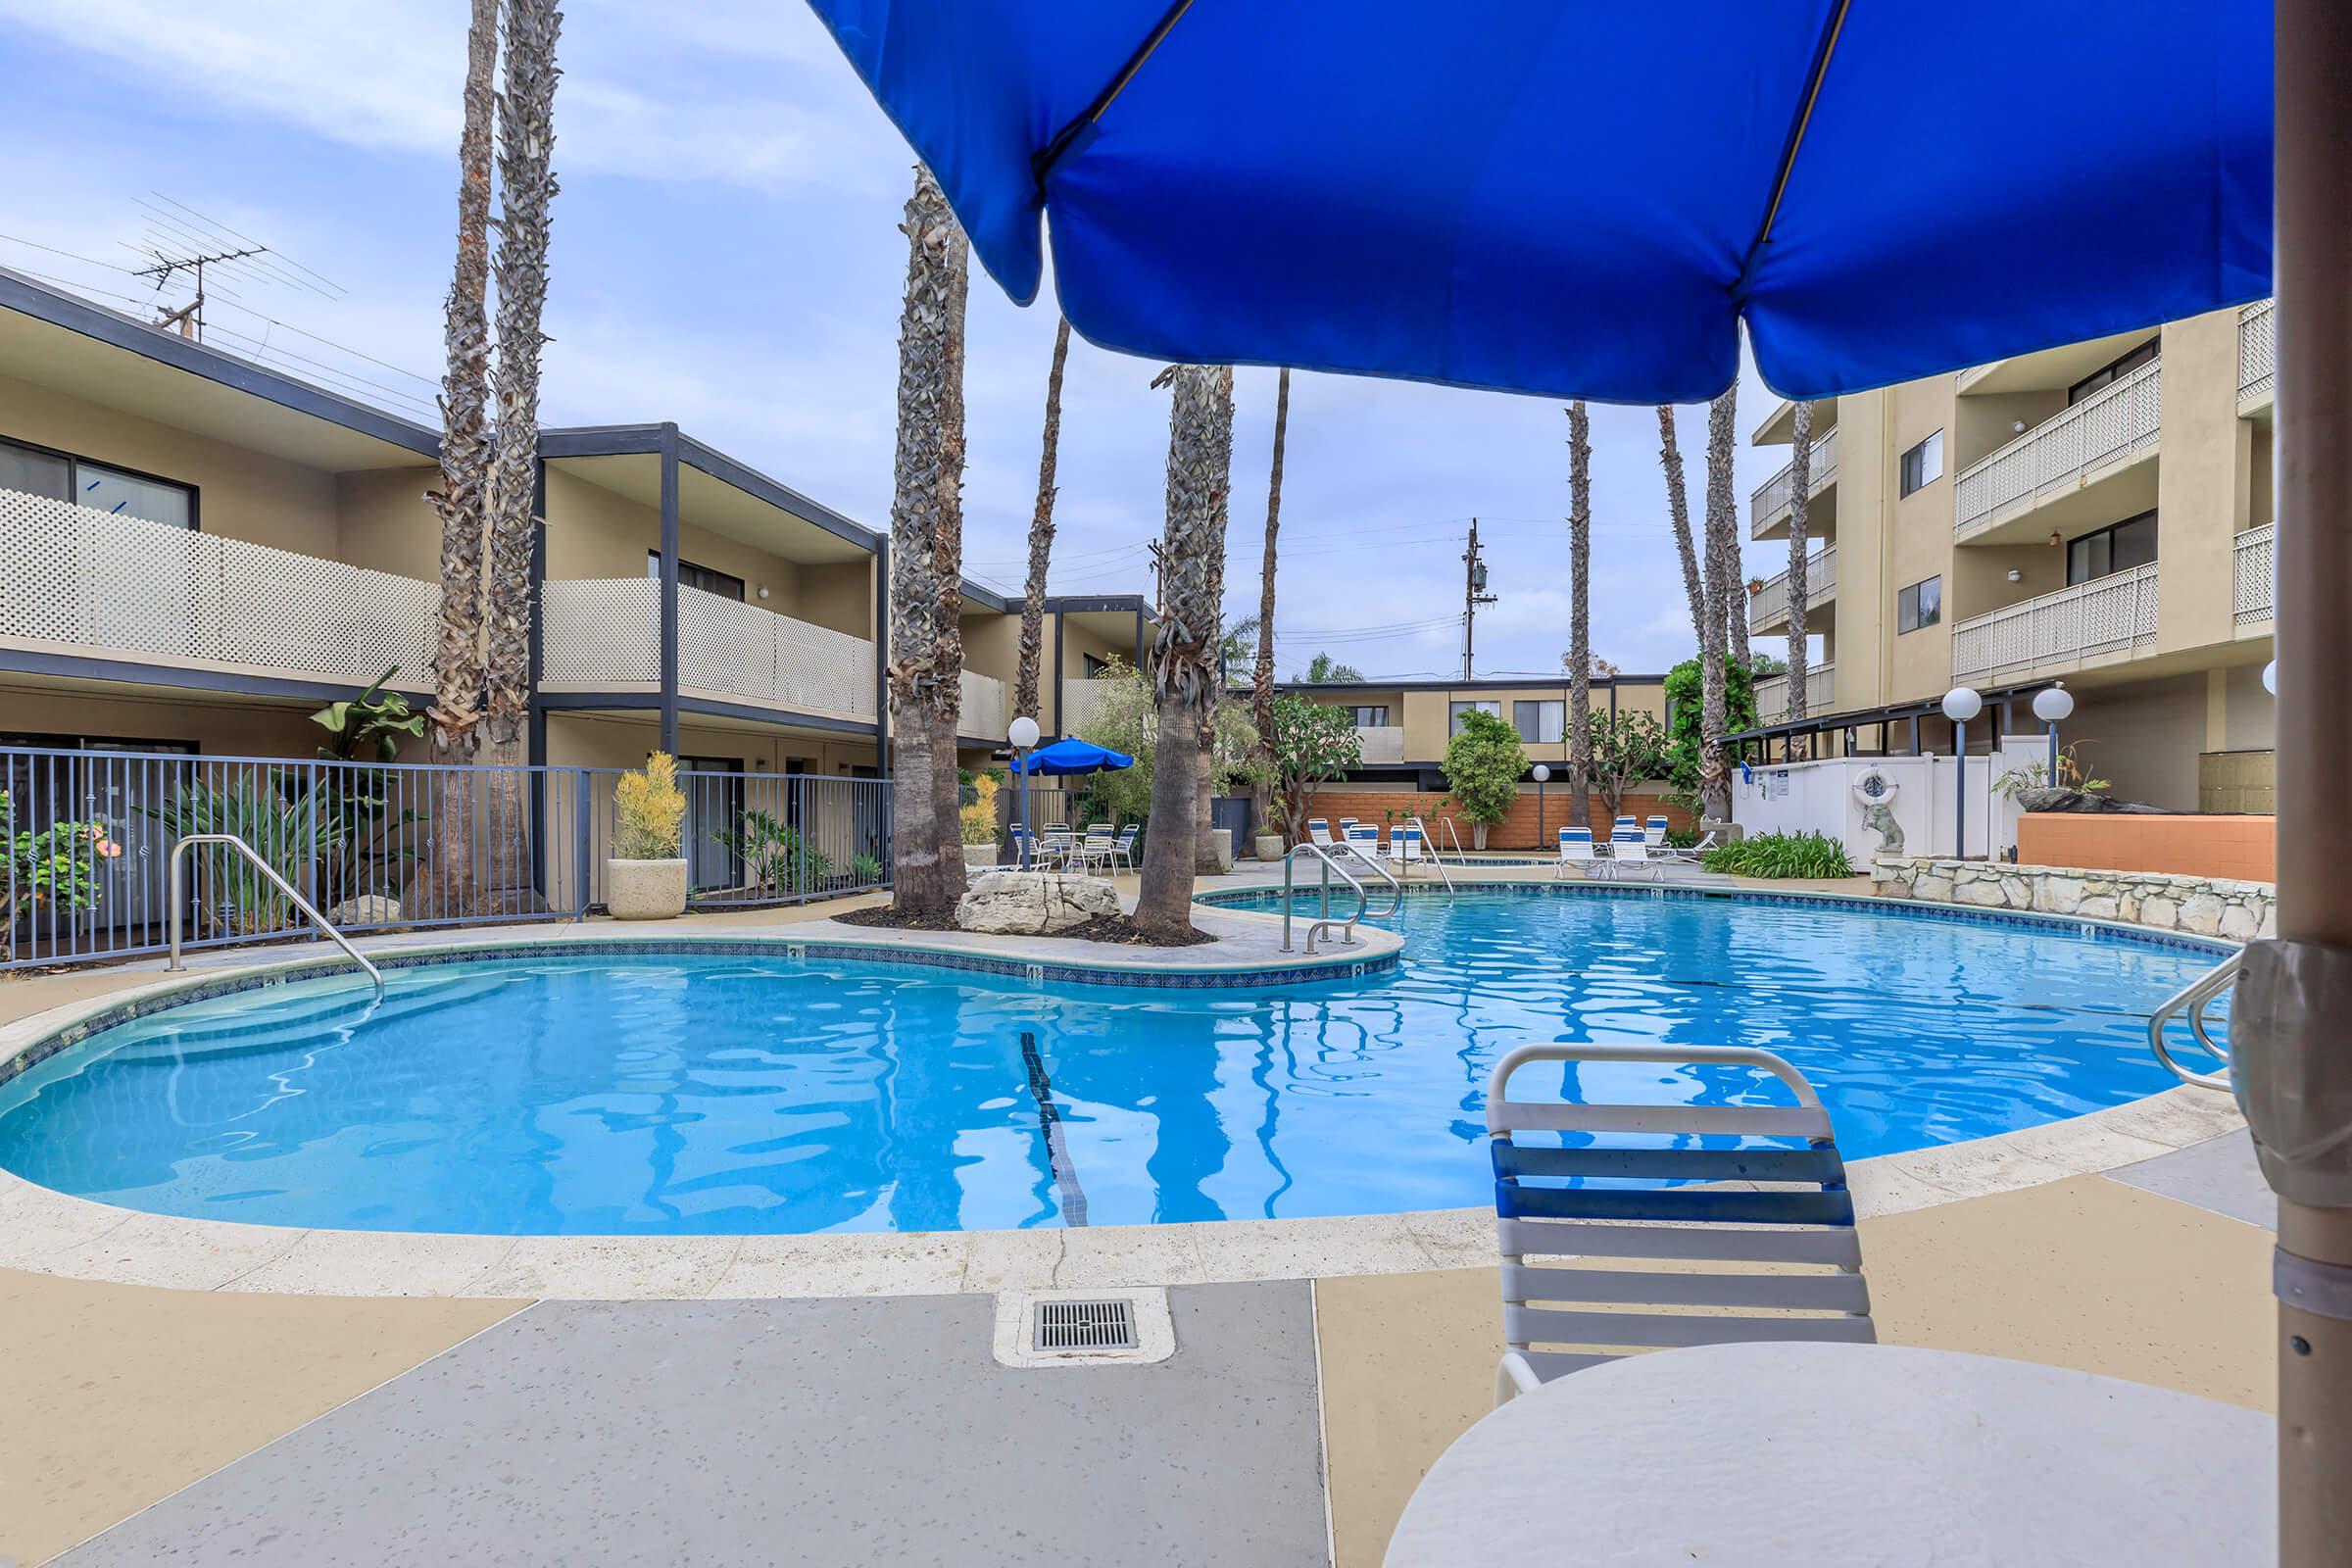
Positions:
(1373, 718)
(62, 477)
(1455, 713)
(2128, 544)
(2106, 375)
(1540, 721)
(1923, 465)
(1093, 667)
(691, 575)
(1919, 605)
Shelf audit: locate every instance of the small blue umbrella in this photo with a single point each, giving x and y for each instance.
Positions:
(1072, 756)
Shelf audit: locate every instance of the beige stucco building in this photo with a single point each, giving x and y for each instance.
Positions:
(2099, 515)
(1403, 726)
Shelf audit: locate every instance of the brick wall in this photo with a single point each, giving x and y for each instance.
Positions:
(1517, 832)
(2239, 848)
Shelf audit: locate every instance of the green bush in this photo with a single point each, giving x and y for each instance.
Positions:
(1781, 854)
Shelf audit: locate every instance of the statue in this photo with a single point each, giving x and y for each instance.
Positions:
(1874, 792)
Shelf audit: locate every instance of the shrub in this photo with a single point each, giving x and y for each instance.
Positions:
(979, 819)
(1484, 764)
(647, 809)
(1684, 705)
(1781, 854)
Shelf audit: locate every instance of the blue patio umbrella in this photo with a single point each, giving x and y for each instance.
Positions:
(1072, 756)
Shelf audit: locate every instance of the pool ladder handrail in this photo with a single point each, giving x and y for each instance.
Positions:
(2189, 1001)
(176, 885)
(1437, 860)
(1325, 923)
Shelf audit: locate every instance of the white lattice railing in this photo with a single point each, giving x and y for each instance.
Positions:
(2257, 348)
(1770, 603)
(1821, 693)
(2109, 614)
(605, 634)
(1771, 500)
(982, 710)
(85, 578)
(1080, 700)
(1380, 743)
(2254, 563)
(2123, 419)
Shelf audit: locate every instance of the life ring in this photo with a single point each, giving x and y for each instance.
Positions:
(1876, 787)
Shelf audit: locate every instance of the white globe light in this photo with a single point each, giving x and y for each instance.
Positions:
(2270, 677)
(2053, 704)
(1022, 733)
(1541, 772)
(1962, 703)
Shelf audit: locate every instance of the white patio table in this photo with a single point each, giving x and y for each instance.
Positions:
(1754, 1455)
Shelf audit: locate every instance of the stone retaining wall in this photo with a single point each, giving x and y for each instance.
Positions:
(2206, 907)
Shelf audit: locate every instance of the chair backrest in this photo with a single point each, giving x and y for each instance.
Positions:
(1626, 841)
(1405, 843)
(1097, 836)
(1365, 836)
(1654, 830)
(1127, 834)
(1576, 844)
(1319, 829)
(1056, 832)
(1794, 1261)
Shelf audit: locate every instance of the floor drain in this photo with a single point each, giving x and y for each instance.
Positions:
(1105, 1325)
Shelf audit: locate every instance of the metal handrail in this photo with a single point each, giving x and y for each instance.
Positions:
(1363, 901)
(175, 883)
(1395, 888)
(2190, 1001)
(1437, 860)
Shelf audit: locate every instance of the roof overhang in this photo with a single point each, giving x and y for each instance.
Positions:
(714, 491)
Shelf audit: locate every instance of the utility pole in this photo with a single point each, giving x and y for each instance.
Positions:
(165, 268)
(1474, 594)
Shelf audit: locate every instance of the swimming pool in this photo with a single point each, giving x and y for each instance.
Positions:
(672, 1094)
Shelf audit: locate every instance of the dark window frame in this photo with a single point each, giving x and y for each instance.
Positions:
(2115, 369)
(1458, 707)
(1907, 601)
(1539, 703)
(1917, 449)
(1356, 713)
(2110, 533)
(741, 595)
(74, 460)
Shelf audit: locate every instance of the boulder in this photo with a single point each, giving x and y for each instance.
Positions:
(368, 908)
(1033, 902)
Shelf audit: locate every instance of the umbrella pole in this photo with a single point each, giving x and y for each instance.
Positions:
(2296, 1077)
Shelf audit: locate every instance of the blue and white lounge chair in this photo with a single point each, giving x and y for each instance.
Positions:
(1405, 848)
(1319, 831)
(1777, 1259)
(1575, 849)
(1629, 851)
(1364, 839)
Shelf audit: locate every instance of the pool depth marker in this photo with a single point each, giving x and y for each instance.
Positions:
(1049, 1121)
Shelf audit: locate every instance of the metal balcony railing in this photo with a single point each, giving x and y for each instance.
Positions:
(1769, 501)
(2110, 615)
(1770, 603)
(1772, 694)
(2257, 349)
(2124, 418)
(2254, 563)
(604, 634)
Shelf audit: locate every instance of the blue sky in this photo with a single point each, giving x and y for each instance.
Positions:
(726, 256)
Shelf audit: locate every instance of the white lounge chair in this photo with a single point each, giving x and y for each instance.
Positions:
(1629, 851)
(1778, 1260)
(1365, 840)
(1405, 848)
(1319, 831)
(1575, 849)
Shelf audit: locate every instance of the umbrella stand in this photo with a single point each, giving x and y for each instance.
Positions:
(2295, 1062)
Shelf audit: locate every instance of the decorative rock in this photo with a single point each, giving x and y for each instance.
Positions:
(2201, 912)
(368, 908)
(2206, 907)
(2162, 913)
(1033, 902)
(2239, 923)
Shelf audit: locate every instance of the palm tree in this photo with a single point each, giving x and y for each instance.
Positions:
(1205, 841)
(1262, 677)
(1800, 480)
(1040, 537)
(454, 722)
(926, 553)
(1677, 506)
(1722, 598)
(1184, 660)
(526, 140)
(1580, 623)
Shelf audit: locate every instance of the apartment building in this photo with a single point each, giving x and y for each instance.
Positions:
(1403, 726)
(2099, 515)
(196, 551)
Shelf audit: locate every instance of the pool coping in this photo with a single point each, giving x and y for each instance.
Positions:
(45, 1231)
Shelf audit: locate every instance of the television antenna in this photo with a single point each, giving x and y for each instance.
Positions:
(189, 317)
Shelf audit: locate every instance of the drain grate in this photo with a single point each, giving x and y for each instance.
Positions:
(1105, 1325)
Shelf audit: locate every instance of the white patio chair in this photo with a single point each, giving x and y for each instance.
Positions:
(1629, 851)
(1778, 1260)
(1575, 849)
(1363, 838)
(1405, 848)
(1101, 849)
(1056, 846)
(1318, 832)
(1122, 847)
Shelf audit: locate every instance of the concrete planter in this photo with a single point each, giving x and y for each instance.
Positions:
(645, 890)
(980, 857)
(1266, 847)
(1222, 839)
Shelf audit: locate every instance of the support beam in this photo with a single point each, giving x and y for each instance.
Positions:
(669, 589)
(882, 655)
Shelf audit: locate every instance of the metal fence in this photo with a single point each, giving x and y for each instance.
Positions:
(378, 847)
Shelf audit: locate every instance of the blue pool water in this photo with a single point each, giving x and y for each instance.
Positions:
(667, 1095)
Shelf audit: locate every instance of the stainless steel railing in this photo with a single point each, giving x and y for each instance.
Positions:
(1324, 922)
(1436, 858)
(2189, 1002)
(178, 899)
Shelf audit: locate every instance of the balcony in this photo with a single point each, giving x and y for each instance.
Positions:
(1380, 743)
(1821, 694)
(981, 709)
(2256, 356)
(605, 635)
(77, 579)
(1081, 700)
(2100, 622)
(2064, 454)
(1768, 607)
(2254, 563)
(1768, 507)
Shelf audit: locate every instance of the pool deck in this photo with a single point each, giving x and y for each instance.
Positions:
(325, 1398)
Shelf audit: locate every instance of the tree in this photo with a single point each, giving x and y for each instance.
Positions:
(1678, 511)
(1041, 536)
(1184, 670)
(454, 721)
(1684, 693)
(1125, 719)
(1578, 657)
(1484, 764)
(1204, 840)
(1627, 746)
(1760, 665)
(1800, 480)
(1325, 670)
(1595, 667)
(1722, 522)
(1723, 567)
(1261, 675)
(1313, 743)
(926, 554)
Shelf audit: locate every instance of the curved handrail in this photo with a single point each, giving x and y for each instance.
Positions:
(1364, 899)
(1395, 888)
(1518, 1057)
(1437, 860)
(175, 882)
(2190, 1001)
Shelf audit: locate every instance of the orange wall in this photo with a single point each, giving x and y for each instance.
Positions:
(1517, 832)
(2243, 849)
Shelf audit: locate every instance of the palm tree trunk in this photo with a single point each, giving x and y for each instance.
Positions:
(1800, 480)
(1040, 542)
(526, 191)
(926, 549)
(1261, 677)
(452, 731)
(1580, 617)
(1205, 841)
(1185, 651)
(1677, 506)
(1723, 567)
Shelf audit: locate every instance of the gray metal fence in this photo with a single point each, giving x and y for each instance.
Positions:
(88, 832)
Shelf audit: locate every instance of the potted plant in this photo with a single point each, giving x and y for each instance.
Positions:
(646, 877)
(979, 822)
(1268, 843)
